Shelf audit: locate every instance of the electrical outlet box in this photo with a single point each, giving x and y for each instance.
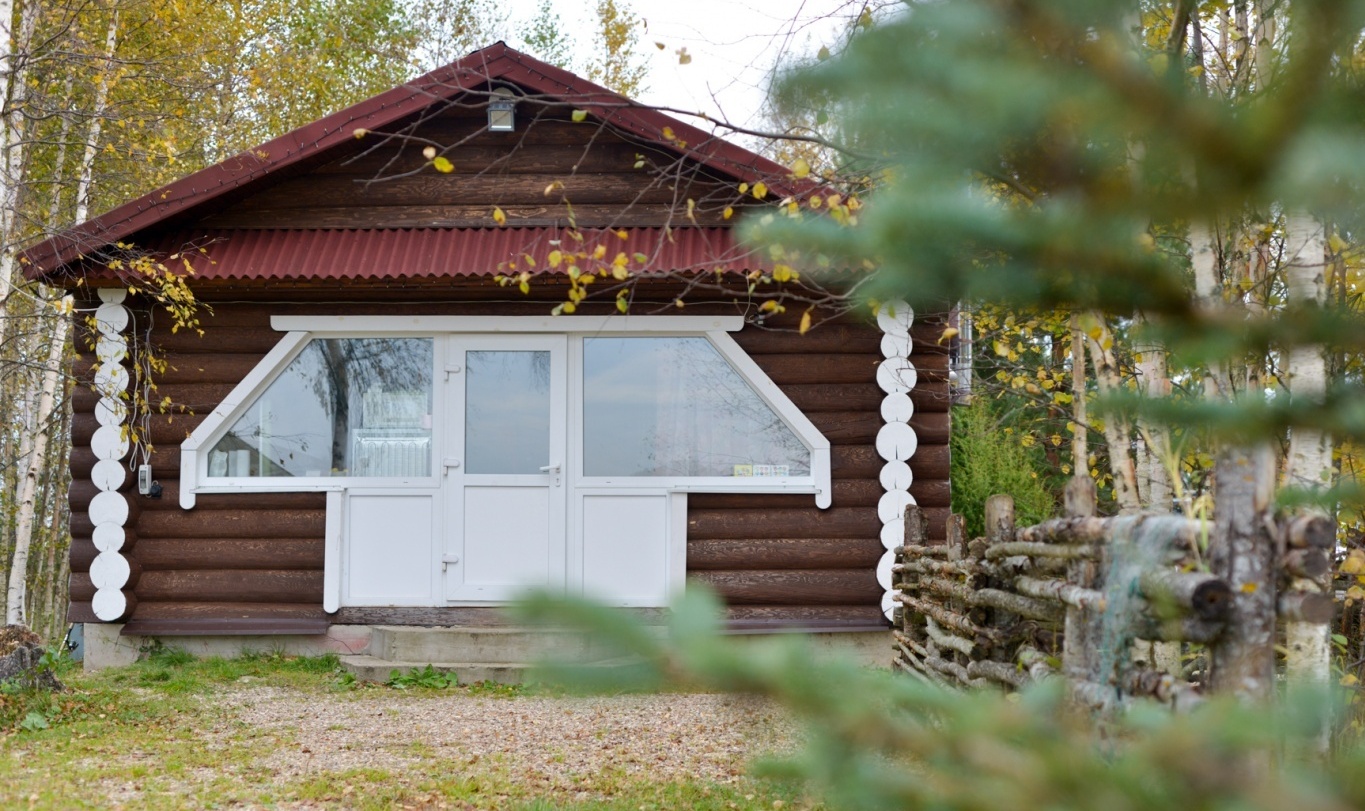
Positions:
(144, 479)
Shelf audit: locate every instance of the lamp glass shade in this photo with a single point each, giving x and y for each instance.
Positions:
(502, 115)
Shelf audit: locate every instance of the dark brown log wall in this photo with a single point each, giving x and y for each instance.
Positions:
(777, 559)
(257, 559)
(534, 174)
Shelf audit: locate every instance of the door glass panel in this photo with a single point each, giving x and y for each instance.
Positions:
(676, 407)
(507, 412)
(343, 407)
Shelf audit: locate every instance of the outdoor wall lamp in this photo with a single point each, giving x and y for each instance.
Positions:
(502, 111)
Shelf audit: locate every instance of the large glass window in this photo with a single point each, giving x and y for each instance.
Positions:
(343, 407)
(675, 407)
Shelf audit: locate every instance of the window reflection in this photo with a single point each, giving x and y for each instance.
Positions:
(675, 407)
(343, 407)
(507, 411)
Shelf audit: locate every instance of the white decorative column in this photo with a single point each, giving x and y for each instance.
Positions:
(896, 441)
(110, 570)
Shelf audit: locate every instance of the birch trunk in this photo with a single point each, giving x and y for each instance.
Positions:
(92, 138)
(1241, 551)
(16, 595)
(1208, 291)
(1116, 431)
(1309, 463)
(1080, 440)
(1154, 449)
(1308, 662)
(12, 161)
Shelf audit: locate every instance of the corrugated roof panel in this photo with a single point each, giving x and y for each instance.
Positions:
(440, 252)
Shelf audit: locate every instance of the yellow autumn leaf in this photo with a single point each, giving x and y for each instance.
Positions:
(727, 213)
(949, 333)
(760, 190)
(498, 216)
(782, 273)
(800, 168)
(668, 134)
(805, 323)
(579, 116)
(443, 165)
(623, 235)
(744, 188)
(554, 258)
(360, 132)
(599, 252)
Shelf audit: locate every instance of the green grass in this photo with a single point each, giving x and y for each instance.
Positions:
(154, 736)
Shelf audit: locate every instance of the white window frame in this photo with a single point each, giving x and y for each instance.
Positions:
(299, 330)
(194, 478)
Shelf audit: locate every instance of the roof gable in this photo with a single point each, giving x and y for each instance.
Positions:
(333, 139)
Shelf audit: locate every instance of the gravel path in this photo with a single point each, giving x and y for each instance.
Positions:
(550, 744)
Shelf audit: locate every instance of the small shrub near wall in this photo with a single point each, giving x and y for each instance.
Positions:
(986, 459)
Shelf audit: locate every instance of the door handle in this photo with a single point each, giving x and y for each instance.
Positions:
(448, 560)
(554, 468)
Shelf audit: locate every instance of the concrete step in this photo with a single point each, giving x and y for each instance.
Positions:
(494, 645)
(371, 668)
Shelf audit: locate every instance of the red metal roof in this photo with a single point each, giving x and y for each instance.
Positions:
(440, 252)
(334, 133)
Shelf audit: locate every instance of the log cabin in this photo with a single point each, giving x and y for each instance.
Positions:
(401, 408)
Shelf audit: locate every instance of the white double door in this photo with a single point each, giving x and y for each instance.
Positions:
(505, 466)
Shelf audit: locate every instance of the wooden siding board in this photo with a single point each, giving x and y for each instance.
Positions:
(809, 587)
(262, 626)
(739, 554)
(233, 585)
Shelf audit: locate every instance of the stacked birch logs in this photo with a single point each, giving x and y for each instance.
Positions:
(1071, 596)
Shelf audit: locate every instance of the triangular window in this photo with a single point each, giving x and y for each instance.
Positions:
(342, 407)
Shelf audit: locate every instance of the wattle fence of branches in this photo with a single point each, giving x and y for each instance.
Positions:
(1108, 603)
